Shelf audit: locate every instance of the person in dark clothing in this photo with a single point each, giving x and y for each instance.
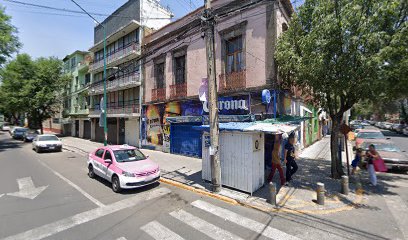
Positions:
(291, 166)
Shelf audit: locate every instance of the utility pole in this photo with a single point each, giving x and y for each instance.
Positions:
(208, 22)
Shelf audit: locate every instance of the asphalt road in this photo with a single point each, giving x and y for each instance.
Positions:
(61, 202)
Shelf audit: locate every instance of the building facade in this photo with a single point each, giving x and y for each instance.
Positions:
(175, 72)
(76, 103)
(123, 62)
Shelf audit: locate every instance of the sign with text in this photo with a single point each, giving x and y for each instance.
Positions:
(234, 105)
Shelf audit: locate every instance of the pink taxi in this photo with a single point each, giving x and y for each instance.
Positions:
(124, 166)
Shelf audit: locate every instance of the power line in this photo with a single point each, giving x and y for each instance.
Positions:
(71, 10)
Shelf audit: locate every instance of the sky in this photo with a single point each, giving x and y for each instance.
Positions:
(45, 32)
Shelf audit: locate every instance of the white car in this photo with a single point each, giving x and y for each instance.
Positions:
(47, 142)
(405, 131)
(5, 127)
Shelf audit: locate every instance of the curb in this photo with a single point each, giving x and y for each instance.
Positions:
(263, 208)
(233, 201)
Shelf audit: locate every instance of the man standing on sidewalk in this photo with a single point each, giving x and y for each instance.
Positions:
(291, 166)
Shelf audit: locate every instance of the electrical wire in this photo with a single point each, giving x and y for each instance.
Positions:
(71, 10)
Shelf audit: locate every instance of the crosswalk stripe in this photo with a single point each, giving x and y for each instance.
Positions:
(160, 232)
(243, 221)
(207, 228)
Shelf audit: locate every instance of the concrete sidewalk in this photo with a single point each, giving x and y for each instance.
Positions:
(299, 198)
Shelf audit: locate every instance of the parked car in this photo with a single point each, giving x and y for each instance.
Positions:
(5, 127)
(124, 166)
(30, 135)
(405, 131)
(387, 125)
(18, 133)
(356, 126)
(13, 129)
(47, 142)
(398, 128)
(367, 134)
(393, 157)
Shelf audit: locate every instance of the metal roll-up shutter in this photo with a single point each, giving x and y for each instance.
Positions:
(87, 129)
(184, 140)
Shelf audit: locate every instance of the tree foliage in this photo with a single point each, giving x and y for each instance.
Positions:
(32, 87)
(9, 43)
(342, 51)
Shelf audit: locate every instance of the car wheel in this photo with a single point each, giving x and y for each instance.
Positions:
(91, 172)
(37, 150)
(116, 184)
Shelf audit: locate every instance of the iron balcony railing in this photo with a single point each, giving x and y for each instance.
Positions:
(232, 81)
(158, 94)
(126, 107)
(116, 55)
(123, 82)
(178, 91)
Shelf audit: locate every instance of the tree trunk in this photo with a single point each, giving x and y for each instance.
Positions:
(41, 127)
(336, 164)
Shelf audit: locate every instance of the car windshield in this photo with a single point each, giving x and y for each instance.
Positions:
(32, 132)
(21, 129)
(128, 155)
(48, 138)
(386, 147)
(370, 135)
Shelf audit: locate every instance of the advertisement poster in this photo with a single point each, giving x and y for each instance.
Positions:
(158, 129)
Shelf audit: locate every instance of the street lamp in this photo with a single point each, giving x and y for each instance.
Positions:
(105, 126)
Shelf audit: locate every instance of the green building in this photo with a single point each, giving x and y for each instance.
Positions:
(76, 104)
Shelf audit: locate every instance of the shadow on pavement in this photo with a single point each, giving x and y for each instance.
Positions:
(7, 143)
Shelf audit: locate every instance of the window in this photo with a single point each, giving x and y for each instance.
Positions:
(159, 75)
(180, 69)
(99, 153)
(73, 62)
(87, 78)
(284, 27)
(56, 120)
(107, 155)
(234, 55)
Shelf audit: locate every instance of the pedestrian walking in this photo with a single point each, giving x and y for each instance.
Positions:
(276, 160)
(356, 161)
(371, 155)
(291, 166)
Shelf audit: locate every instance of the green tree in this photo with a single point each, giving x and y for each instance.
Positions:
(340, 52)
(15, 76)
(9, 43)
(45, 91)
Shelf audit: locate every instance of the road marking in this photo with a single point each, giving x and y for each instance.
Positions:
(1, 195)
(84, 217)
(94, 200)
(207, 228)
(27, 189)
(399, 211)
(121, 238)
(243, 221)
(160, 232)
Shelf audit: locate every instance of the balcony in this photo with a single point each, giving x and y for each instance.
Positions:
(178, 91)
(124, 82)
(83, 66)
(232, 81)
(119, 56)
(77, 110)
(158, 94)
(122, 109)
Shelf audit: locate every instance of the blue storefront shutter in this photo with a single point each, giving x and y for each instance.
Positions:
(185, 140)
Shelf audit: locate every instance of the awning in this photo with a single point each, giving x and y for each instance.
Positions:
(253, 127)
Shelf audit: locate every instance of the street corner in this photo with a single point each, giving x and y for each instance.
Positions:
(304, 201)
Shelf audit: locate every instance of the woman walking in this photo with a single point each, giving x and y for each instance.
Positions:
(276, 161)
(371, 156)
